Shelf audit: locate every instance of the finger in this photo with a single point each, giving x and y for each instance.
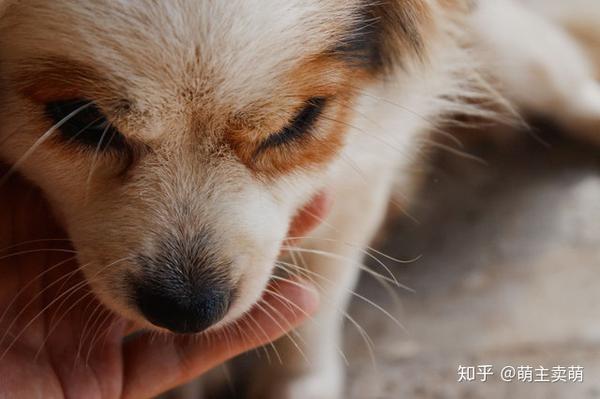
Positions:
(153, 366)
(311, 215)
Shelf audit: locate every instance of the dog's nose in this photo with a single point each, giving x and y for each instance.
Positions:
(184, 313)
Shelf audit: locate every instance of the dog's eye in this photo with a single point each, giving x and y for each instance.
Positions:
(299, 126)
(82, 122)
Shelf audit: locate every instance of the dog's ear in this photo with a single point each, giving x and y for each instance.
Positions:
(389, 34)
(401, 29)
(385, 33)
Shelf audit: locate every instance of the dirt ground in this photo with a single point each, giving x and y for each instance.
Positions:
(508, 275)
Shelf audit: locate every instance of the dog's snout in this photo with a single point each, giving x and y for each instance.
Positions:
(191, 311)
(184, 287)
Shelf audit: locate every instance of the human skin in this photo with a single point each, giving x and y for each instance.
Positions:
(58, 341)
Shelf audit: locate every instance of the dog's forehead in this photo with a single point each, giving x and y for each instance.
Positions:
(234, 50)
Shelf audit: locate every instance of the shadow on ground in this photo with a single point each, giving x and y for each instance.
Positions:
(508, 275)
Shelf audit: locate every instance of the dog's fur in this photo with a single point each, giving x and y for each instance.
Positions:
(198, 87)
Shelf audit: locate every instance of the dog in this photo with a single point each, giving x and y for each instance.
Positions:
(175, 140)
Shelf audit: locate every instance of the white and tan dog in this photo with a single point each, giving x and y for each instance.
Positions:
(176, 139)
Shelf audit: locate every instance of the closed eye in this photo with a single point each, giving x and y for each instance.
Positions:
(298, 127)
(81, 121)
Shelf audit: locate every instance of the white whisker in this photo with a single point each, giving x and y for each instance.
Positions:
(41, 141)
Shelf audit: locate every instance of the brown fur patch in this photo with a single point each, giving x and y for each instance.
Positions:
(316, 148)
(51, 79)
(385, 33)
(324, 77)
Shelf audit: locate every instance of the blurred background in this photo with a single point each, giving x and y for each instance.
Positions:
(508, 274)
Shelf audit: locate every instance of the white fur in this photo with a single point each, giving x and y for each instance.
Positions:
(538, 64)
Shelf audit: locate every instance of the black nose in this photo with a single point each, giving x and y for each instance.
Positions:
(183, 311)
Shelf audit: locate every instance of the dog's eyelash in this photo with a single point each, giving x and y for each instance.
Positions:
(299, 126)
(82, 122)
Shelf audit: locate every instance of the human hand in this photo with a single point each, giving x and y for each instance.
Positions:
(58, 341)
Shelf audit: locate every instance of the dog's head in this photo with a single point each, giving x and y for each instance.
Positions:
(177, 139)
